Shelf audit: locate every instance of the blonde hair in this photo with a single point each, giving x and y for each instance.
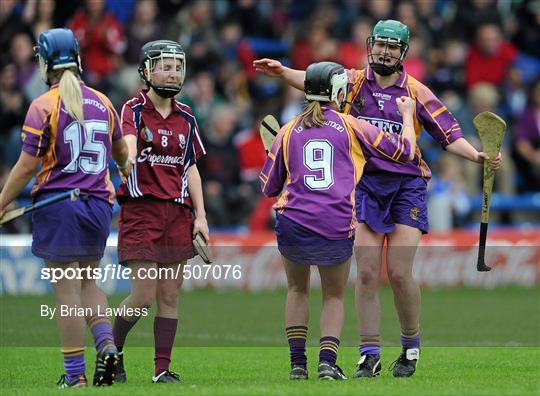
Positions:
(71, 95)
(313, 116)
(70, 90)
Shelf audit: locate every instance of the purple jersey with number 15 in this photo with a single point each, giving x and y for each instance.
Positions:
(72, 156)
(316, 170)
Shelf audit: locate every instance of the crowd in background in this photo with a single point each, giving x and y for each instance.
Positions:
(476, 55)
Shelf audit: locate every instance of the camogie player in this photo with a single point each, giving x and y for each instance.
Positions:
(391, 198)
(156, 225)
(314, 164)
(72, 130)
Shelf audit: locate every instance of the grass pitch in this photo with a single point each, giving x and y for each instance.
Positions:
(475, 342)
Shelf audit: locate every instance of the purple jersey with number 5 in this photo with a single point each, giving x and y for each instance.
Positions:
(368, 101)
(72, 156)
(316, 170)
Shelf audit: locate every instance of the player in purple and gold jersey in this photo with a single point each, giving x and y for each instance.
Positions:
(314, 165)
(391, 199)
(72, 130)
(156, 224)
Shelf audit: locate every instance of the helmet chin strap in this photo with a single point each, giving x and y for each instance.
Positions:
(384, 70)
(166, 92)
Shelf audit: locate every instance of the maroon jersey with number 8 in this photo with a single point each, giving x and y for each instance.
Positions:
(166, 148)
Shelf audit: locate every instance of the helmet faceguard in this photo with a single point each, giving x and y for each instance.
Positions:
(387, 32)
(151, 60)
(57, 49)
(324, 81)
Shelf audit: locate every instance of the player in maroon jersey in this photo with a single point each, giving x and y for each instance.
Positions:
(156, 225)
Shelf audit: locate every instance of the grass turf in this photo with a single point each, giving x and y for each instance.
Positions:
(474, 342)
(264, 370)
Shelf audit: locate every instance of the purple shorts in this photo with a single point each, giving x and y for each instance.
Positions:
(304, 246)
(385, 199)
(69, 231)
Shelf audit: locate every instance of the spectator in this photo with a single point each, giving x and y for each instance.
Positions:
(228, 201)
(102, 42)
(447, 67)
(39, 14)
(143, 28)
(448, 202)
(490, 58)
(526, 143)
(316, 46)
(484, 97)
(471, 14)
(13, 106)
(10, 22)
(353, 53)
(414, 62)
(202, 98)
(28, 77)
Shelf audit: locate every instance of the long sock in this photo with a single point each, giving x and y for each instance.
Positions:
(101, 330)
(370, 344)
(74, 362)
(297, 336)
(164, 333)
(121, 329)
(328, 349)
(410, 338)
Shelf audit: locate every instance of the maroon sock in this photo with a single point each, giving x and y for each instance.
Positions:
(164, 333)
(121, 329)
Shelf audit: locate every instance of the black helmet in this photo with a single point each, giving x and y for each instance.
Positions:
(324, 80)
(159, 49)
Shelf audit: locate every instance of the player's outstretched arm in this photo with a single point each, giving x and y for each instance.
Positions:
(274, 68)
(461, 147)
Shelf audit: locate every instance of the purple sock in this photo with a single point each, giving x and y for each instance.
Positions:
(121, 329)
(328, 350)
(297, 335)
(410, 341)
(164, 333)
(74, 362)
(101, 330)
(370, 344)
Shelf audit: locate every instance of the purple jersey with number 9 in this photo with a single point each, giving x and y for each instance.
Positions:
(316, 170)
(72, 155)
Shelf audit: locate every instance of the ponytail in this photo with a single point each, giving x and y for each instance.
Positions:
(312, 116)
(71, 95)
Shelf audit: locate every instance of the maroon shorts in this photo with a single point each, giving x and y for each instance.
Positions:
(155, 230)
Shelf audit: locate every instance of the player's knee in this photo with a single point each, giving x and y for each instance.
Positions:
(298, 289)
(398, 277)
(168, 297)
(143, 300)
(334, 293)
(367, 277)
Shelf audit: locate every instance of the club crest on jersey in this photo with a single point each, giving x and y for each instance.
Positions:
(147, 134)
(360, 102)
(182, 141)
(414, 213)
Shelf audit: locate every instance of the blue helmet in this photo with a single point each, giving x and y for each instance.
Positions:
(58, 49)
